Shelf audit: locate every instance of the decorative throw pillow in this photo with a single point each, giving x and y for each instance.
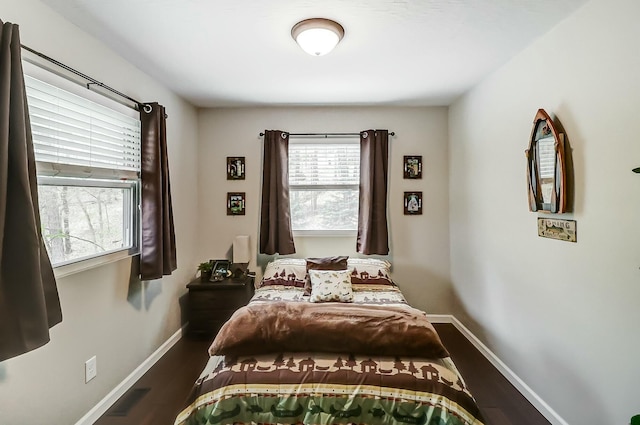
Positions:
(330, 285)
(285, 272)
(370, 271)
(324, 263)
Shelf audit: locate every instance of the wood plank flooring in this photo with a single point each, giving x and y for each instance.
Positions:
(500, 402)
(163, 389)
(169, 381)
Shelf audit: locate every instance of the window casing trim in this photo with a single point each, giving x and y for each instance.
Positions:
(325, 233)
(67, 269)
(323, 187)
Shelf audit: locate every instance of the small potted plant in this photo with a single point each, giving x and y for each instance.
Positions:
(205, 271)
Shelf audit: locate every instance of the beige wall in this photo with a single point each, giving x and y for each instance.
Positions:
(103, 314)
(419, 244)
(563, 316)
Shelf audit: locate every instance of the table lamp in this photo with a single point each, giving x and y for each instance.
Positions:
(241, 255)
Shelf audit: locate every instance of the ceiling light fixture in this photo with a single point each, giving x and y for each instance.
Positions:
(317, 36)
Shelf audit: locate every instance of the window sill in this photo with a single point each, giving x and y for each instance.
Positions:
(91, 263)
(325, 233)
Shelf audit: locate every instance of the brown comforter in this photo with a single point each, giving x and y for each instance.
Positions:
(328, 327)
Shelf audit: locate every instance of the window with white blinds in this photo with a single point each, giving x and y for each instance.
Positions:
(77, 137)
(323, 183)
(88, 163)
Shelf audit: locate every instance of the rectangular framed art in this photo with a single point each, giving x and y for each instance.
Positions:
(235, 168)
(412, 167)
(412, 203)
(235, 203)
(556, 228)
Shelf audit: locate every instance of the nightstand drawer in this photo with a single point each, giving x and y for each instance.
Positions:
(219, 298)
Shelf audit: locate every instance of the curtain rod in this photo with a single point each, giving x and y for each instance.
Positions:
(391, 133)
(86, 77)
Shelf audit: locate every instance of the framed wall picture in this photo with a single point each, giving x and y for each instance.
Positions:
(546, 166)
(412, 166)
(556, 228)
(412, 203)
(235, 168)
(235, 203)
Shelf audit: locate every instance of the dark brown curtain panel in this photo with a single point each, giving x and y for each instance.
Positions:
(276, 236)
(373, 235)
(29, 302)
(158, 250)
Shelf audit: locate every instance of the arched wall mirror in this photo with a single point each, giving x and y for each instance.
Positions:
(546, 166)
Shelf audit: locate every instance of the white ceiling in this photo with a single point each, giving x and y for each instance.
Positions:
(240, 52)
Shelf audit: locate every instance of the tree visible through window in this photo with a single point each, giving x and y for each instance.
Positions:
(80, 222)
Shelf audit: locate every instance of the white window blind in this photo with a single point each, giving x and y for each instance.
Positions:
(323, 183)
(77, 137)
(321, 164)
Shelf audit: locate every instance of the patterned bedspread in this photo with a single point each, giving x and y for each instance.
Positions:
(362, 294)
(324, 388)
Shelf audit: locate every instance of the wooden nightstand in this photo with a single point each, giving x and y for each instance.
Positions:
(212, 303)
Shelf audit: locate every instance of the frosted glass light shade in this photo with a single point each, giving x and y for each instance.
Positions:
(317, 36)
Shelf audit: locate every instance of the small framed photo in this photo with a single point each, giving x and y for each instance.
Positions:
(235, 203)
(221, 270)
(235, 168)
(413, 166)
(412, 203)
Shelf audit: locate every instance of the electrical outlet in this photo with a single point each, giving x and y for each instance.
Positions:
(90, 369)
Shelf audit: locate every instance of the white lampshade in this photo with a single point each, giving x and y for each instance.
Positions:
(241, 250)
(317, 36)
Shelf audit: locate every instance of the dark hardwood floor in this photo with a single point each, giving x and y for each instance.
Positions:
(500, 402)
(158, 396)
(168, 382)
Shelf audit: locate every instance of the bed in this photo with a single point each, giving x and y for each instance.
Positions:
(329, 341)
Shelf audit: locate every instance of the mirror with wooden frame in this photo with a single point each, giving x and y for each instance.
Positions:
(546, 166)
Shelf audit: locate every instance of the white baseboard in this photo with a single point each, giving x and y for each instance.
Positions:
(546, 410)
(99, 409)
(440, 318)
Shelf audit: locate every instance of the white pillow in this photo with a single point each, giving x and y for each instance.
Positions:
(370, 271)
(330, 285)
(285, 272)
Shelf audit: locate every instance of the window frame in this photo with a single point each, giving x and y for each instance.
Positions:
(131, 209)
(325, 187)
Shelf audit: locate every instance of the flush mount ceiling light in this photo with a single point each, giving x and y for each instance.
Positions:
(317, 36)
